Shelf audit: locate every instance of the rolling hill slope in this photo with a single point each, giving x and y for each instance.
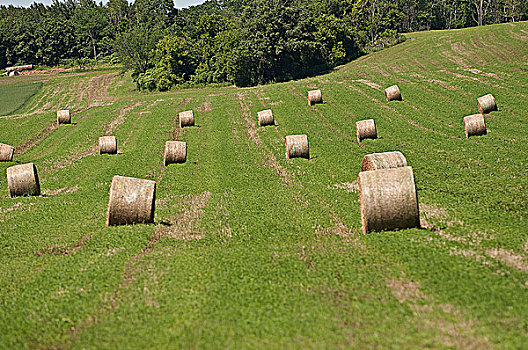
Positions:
(250, 250)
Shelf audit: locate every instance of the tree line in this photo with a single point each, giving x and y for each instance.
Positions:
(242, 42)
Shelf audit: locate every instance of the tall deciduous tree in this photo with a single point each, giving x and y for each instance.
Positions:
(90, 21)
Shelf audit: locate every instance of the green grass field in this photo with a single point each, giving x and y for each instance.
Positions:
(16, 95)
(250, 250)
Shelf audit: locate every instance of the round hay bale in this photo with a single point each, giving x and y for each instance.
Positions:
(314, 96)
(63, 117)
(297, 146)
(23, 180)
(386, 160)
(265, 118)
(486, 104)
(108, 145)
(6, 152)
(393, 93)
(131, 201)
(366, 129)
(388, 200)
(186, 119)
(475, 125)
(175, 152)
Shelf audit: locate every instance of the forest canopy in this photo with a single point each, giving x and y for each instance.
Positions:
(242, 42)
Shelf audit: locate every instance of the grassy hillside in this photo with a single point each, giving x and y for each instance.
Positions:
(250, 250)
(16, 95)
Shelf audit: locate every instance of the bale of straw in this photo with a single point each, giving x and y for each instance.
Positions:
(486, 104)
(265, 117)
(6, 152)
(297, 146)
(386, 160)
(366, 129)
(131, 201)
(393, 93)
(314, 96)
(186, 119)
(108, 145)
(475, 125)
(23, 180)
(388, 199)
(63, 117)
(175, 152)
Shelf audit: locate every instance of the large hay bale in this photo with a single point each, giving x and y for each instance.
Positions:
(393, 93)
(475, 125)
(175, 152)
(486, 104)
(108, 145)
(63, 117)
(366, 129)
(314, 96)
(265, 117)
(23, 180)
(386, 160)
(6, 152)
(131, 201)
(297, 146)
(186, 119)
(388, 199)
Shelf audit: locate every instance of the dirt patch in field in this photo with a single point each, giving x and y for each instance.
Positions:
(35, 140)
(434, 81)
(369, 83)
(17, 206)
(451, 331)
(112, 125)
(185, 224)
(462, 76)
(455, 59)
(509, 258)
(206, 106)
(406, 291)
(64, 249)
(479, 72)
(293, 91)
(60, 190)
(264, 100)
(381, 71)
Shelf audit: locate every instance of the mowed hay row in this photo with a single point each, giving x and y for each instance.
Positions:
(366, 129)
(186, 118)
(475, 125)
(388, 200)
(23, 180)
(386, 160)
(265, 118)
(486, 104)
(108, 145)
(315, 96)
(63, 117)
(297, 146)
(393, 93)
(131, 201)
(6, 152)
(175, 152)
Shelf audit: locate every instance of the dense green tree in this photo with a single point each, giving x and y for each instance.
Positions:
(90, 21)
